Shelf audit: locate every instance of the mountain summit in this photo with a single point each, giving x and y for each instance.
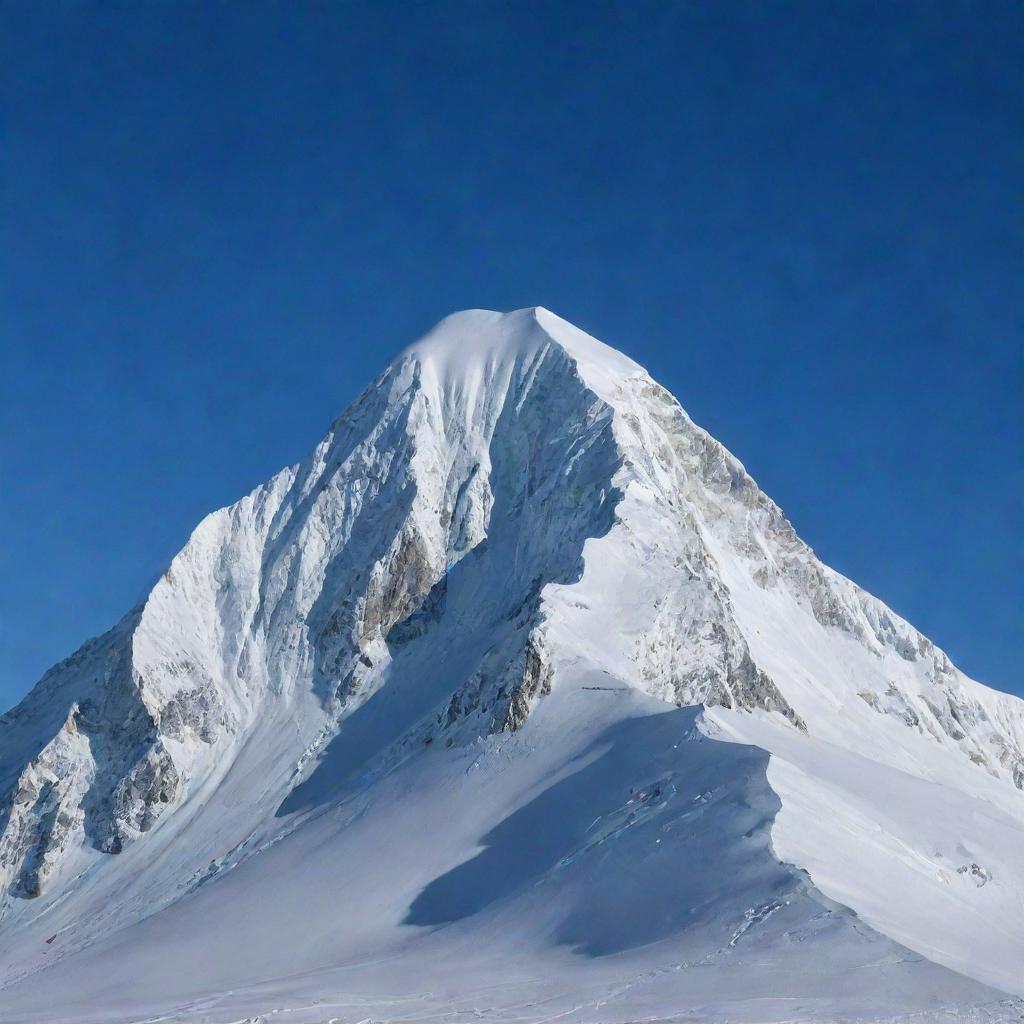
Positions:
(516, 698)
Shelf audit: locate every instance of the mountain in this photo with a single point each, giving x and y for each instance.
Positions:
(516, 699)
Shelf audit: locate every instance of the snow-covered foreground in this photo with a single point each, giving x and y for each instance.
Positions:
(516, 701)
(607, 862)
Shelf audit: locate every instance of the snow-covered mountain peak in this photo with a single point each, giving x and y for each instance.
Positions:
(513, 541)
(474, 344)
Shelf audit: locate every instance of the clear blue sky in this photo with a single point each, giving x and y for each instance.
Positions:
(220, 220)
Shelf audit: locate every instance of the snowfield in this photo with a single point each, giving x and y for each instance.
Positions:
(515, 701)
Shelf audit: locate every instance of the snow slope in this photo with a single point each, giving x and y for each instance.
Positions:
(516, 698)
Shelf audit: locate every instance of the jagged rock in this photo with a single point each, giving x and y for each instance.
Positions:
(528, 679)
(418, 622)
(397, 584)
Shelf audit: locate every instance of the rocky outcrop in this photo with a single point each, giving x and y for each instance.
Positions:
(695, 649)
(527, 680)
(43, 809)
(398, 583)
(695, 654)
(106, 775)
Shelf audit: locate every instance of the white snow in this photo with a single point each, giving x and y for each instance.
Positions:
(516, 699)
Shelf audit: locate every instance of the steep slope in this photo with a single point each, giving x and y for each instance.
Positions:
(410, 702)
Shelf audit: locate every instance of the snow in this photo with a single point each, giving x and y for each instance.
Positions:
(518, 699)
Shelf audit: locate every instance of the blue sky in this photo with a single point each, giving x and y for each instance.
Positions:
(221, 220)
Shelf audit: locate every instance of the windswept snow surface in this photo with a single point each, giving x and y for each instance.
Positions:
(516, 700)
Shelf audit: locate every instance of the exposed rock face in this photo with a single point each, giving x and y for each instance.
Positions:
(695, 654)
(105, 777)
(397, 583)
(42, 811)
(438, 535)
(695, 650)
(534, 682)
